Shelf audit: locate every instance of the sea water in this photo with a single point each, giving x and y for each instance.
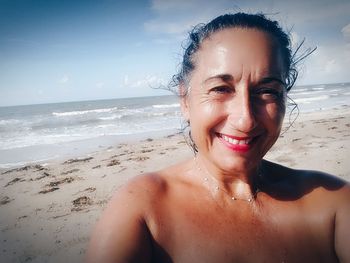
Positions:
(46, 131)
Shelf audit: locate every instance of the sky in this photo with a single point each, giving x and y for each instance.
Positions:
(61, 50)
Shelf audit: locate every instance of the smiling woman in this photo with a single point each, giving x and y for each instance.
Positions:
(227, 204)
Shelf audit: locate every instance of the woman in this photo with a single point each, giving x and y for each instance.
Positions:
(227, 204)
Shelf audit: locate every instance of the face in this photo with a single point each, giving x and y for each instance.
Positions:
(236, 98)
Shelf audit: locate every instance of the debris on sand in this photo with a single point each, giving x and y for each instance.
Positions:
(45, 174)
(13, 181)
(70, 171)
(49, 190)
(62, 181)
(4, 200)
(113, 162)
(77, 160)
(38, 167)
(80, 203)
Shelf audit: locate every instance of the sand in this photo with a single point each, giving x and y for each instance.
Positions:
(47, 210)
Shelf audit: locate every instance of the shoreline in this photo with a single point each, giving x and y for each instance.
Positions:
(47, 211)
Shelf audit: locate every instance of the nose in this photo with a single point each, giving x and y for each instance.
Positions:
(241, 114)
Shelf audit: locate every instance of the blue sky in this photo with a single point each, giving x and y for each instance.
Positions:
(54, 51)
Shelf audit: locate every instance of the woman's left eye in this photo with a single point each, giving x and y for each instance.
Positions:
(268, 93)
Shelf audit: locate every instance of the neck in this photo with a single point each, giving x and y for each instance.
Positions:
(239, 184)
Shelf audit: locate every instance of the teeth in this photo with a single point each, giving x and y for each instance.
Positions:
(235, 141)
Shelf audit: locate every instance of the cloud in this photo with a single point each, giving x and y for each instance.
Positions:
(126, 80)
(328, 64)
(172, 19)
(64, 79)
(178, 17)
(346, 32)
(147, 82)
(100, 85)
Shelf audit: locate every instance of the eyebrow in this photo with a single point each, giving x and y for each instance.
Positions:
(224, 77)
(229, 77)
(271, 79)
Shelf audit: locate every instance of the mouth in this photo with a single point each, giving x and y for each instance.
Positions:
(239, 144)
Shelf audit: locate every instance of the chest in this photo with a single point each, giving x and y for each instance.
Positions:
(244, 233)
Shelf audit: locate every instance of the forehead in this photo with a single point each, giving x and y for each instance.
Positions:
(238, 49)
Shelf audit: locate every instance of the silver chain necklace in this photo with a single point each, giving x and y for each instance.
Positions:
(217, 188)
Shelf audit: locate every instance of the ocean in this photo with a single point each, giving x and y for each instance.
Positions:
(47, 131)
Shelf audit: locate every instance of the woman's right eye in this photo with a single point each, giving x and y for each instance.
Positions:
(221, 90)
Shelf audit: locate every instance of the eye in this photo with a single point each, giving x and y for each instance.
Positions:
(265, 93)
(221, 90)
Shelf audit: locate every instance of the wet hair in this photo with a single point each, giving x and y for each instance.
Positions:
(259, 22)
(238, 20)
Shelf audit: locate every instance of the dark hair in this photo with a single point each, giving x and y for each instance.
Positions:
(238, 20)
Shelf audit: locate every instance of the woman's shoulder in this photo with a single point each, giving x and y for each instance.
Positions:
(298, 183)
(153, 185)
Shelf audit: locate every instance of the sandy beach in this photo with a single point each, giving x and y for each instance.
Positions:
(47, 210)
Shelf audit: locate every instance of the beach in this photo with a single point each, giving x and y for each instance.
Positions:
(48, 209)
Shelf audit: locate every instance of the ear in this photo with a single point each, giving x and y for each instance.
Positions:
(184, 102)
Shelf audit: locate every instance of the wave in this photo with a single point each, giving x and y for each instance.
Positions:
(10, 122)
(82, 112)
(309, 100)
(162, 106)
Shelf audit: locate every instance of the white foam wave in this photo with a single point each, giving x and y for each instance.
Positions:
(309, 100)
(111, 118)
(10, 122)
(162, 106)
(320, 88)
(298, 90)
(74, 113)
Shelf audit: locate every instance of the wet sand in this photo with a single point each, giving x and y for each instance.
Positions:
(48, 210)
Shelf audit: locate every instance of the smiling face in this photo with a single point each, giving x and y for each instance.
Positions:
(236, 98)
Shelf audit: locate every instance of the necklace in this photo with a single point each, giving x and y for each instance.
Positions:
(217, 188)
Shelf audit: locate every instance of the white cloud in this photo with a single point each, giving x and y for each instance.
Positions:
(346, 31)
(178, 17)
(328, 64)
(64, 79)
(100, 85)
(150, 81)
(172, 19)
(126, 80)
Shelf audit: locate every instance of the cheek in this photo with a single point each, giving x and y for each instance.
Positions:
(273, 115)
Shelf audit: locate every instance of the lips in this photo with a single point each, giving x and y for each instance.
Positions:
(234, 143)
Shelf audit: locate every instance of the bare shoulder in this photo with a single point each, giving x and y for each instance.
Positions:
(122, 234)
(298, 184)
(143, 190)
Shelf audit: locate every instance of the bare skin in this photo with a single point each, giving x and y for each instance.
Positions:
(173, 216)
(236, 106)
